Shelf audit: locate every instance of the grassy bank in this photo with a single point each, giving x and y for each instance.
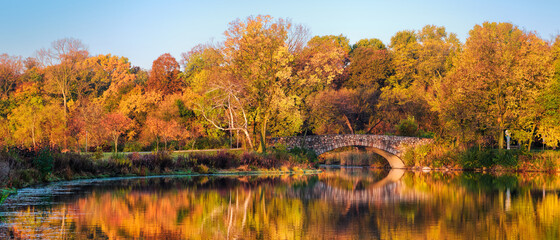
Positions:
(22, 167)
(444, 156)
(5, 193)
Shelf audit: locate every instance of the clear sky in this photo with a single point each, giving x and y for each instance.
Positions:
(143, 30)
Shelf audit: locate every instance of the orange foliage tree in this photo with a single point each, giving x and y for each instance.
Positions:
(10, 70)
(164, 76)
(115, 125)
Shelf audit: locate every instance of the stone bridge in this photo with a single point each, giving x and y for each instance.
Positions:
(391, 148)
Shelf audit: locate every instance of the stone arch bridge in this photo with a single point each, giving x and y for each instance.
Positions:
(391, 148)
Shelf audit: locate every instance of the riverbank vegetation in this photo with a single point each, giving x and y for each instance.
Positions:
(270, 77)
(438, 155)
(24, 167)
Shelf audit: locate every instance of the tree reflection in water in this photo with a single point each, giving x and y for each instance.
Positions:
(343, 203)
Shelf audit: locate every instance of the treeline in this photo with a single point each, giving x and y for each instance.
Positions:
(270, 78)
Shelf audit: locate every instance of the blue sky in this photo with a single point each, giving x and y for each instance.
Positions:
(143, 30)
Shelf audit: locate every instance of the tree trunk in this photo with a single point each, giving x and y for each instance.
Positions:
(248, 139)
(263, 134)
(65, 119)
(116, 142)
(501, 139)
(86, 141)
(33, 134)
(348, 124)
(501, 134)
(531, 138)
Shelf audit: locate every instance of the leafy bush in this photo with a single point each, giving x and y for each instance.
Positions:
(119, 163)
(303, 155)
(5, 193)
(475, 158)
(155, 161)
(98, 154)
(132, 147)
(4, 172)
(186, 161)
(221, 160)
(76, 163)
(505, 158)
(408, 127)
(210, 143)
(43, 162)
(202, 169)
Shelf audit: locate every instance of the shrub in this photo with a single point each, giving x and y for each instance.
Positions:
(5, 193)
(119, 163)
(4, 172)
(407, 127)
(76, 163)
(43, 162)
(225, 160)
(221, 160)
(132, 147)
(186, 161)
(303, 155)
(250, 159)
(202, 169)
(153, 162)
(254, 160)
(98, 155)
(505, 158)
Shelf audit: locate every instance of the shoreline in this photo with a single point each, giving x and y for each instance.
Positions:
(6, 192)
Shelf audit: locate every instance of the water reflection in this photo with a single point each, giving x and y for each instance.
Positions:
(347, 203)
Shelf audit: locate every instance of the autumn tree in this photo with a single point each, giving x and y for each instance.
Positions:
(500, 71)
(115, 124)
(164, 76)
(25, 119)
(334, 111)
(256, 53)
(103, 75)
(164, 123)
(85, 122)
(370, 65)
(419, 60)
(162, 130)
(199, 64)
(11, 69)
(549, 102)
(61, 61)
(320, 63)
(221, 105)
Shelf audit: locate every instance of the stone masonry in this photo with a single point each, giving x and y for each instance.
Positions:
(387, 146)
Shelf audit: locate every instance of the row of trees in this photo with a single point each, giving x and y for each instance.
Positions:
(270, 78)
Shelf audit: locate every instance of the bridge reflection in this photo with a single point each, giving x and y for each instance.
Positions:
(360, 186)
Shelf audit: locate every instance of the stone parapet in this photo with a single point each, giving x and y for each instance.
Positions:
(390, 146)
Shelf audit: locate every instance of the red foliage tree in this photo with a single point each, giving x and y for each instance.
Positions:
(115, 125)
(164, 76)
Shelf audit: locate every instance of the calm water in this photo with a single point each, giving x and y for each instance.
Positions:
(349, 203)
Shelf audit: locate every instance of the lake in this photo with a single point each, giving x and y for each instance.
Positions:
(340, 203)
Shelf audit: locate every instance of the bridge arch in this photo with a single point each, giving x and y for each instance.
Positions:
(392, 148)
